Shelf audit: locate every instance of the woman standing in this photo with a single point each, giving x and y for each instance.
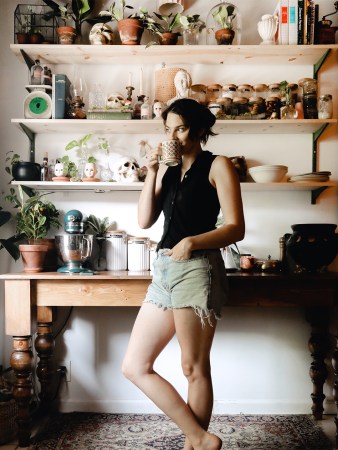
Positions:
(189, 282)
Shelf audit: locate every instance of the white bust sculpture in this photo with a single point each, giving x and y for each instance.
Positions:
(182, 83)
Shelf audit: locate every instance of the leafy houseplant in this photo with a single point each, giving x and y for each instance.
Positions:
(130, 28)
(192, 26)
(224, 16)
(78, 13)
(34, 219)
(165, 29)
(99, 227)
(81, 145)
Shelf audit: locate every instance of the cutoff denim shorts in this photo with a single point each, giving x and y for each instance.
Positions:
(199, 283)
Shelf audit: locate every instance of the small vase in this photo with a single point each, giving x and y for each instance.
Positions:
(267, 29)
(99, 256)
(106, 174)
(191, 36)
(288, 112)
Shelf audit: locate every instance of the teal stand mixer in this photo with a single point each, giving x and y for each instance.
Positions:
(75, 247)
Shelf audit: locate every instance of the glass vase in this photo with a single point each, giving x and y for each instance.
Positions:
(106, 173)
(191, 36)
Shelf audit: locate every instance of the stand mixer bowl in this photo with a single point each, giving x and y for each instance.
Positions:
(73, 250)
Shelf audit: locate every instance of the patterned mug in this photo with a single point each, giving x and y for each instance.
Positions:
(171, 152)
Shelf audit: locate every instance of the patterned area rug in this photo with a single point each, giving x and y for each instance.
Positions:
(97, 431)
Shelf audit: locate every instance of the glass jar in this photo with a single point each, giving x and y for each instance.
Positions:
(213, 92)
(273, 108)
(293, 87)
(257, 106)
(138, 254)
(198, 92)
(240, 106)
(229, 90)
(244, 90)
(116, 250)
(274, 90)
(226, 105)
(310, 98)
(260, 90)
(325, 106)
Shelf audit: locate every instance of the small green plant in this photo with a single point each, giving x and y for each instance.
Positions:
(192, 22)
(35, 216)
(81, 145)
(70, 168)
(167, 24)
(11, 159)
(224, 16)
(115, 12)
(99, 226)
(77, 10)
(285, 90)
(104, 145)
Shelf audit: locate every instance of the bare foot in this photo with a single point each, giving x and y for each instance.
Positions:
(209, 442)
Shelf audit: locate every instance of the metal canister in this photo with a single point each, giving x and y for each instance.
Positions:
(138, 253)
(116, 250)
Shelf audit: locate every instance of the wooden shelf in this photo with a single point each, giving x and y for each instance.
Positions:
(176, 54)
(102, 187)
(69, 126)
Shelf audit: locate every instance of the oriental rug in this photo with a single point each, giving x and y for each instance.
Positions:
(99, 431)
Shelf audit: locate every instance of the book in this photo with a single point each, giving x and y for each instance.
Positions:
(300, 27)
(293, 22)
(60, 85)
(284, 22)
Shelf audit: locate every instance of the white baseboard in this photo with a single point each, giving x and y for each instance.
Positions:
(220, 407)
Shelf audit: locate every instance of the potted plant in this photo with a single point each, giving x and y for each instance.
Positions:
(165, 28)
(22, 36)
(192, 26)
(34, 219)
(224, 16)
(99, 227)
(21, 170)
(82, 147)
(130, 28)
(69, 171)
(78, 13)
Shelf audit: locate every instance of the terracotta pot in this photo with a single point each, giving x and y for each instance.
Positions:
(66, 35)
(35, 38)
(22, 38)
(130, 31)
(168, 38)
(33, 257)
(224, 36)
(50, 262)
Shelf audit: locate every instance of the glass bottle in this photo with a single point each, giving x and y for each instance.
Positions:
(36, 73)
(325, 106)
(146, 109)
(44, 168)
(97, 98)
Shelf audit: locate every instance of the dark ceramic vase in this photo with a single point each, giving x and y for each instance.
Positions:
(312, 246)
(26, 171)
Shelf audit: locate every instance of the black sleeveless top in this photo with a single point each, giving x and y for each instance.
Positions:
(190, 206)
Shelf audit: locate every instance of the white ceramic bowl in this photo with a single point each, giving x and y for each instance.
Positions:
(268, 174)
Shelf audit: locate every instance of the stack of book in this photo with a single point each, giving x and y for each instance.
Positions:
(298, 21)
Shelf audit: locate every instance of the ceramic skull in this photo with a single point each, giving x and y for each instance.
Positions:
(101, 34)
(115, 101)
(126, 169)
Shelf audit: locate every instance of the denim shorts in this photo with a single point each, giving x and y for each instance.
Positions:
(199, 283)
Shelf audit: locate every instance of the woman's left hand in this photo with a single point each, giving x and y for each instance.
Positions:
(181, 251)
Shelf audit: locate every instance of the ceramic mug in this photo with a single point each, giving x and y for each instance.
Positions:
(171, 152)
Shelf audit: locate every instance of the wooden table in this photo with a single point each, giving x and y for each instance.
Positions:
(317, 293)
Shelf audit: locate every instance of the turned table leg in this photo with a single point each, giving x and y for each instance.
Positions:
(319, 344)
(44, 345)
(335, 388)
(21, 362)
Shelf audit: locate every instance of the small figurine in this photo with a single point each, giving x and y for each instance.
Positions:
(126, 169)
(59, 171)
(90, 172)
(101, 34)
(115, 101)
(157, 109)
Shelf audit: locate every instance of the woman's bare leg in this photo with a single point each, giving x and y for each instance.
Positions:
(152, 331)
(195, 341)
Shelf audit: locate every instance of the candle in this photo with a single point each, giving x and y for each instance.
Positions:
(141, 81)
(130, 79)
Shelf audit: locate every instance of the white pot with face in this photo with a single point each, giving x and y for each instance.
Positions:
(90, 170)
(59, 170)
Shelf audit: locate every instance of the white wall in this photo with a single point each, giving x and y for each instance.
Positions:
(260, 357)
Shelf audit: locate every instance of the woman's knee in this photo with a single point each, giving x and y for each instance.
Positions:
(193, 370)
(134, 369)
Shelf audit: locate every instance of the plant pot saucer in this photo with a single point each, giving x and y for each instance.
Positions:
(60, 179)
(90, 179)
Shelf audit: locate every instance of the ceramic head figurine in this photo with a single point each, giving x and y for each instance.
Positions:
(59, 170)
(157, 110)
(182, 83)
(90, 170)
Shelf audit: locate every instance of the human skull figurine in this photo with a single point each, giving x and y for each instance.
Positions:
(126, 169)
(101, 34)
(115, 101)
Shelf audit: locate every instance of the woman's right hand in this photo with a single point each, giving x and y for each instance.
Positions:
(153, 158)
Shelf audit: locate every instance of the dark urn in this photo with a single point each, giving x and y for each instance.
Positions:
(312, 246)
(26, 171)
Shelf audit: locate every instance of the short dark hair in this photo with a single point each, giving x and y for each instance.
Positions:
(198, 118)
